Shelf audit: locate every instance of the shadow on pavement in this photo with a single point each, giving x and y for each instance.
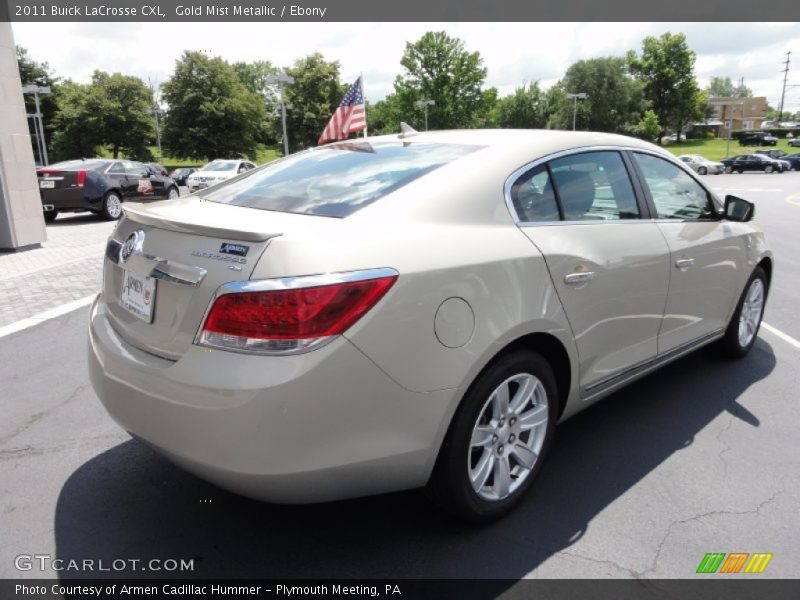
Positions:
(130, 503)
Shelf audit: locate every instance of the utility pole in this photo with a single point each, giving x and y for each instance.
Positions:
(576, 97)
(426, 104)
(156, 112)
(282, 80)
(783, 92)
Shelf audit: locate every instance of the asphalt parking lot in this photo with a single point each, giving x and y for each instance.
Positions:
(702, 456)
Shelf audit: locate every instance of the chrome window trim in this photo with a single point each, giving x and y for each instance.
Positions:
(287, 283)
(511, 179)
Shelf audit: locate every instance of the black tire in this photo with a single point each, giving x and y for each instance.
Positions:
(731, 344)
(173, 193)
(740, 171)
(702, 171)
(112, 206)
(450, 485)
(50, 216)
(728, 169)
(768, 169)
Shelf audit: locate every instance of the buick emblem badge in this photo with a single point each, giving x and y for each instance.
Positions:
(132, 245)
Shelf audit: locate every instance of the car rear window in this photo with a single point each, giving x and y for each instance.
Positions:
(336, 180)
(77, 165)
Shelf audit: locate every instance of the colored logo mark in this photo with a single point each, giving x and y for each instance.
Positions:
(734, 562)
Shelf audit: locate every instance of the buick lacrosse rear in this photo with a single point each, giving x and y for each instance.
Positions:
(415, 310)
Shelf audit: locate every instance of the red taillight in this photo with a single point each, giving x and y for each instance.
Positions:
(81, 179)
(290, 320)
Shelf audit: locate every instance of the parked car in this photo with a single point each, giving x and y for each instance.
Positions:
(702, 165)
(181, 175)
(794, 143)
(400, 312)
(99, 185)
(217, 171)
(793, 160)
(752, 162)
(759, 138)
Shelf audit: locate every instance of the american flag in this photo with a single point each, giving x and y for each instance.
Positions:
(349, 116)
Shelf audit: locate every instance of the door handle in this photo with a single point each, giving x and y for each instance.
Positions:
(583, 277)
(683, 263)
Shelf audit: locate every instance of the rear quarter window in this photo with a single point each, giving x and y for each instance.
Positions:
(336, 180)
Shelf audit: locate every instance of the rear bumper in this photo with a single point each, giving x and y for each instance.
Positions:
(308, 428)
(71, 199)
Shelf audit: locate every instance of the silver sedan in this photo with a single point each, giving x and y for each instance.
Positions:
(414, 310)
(702, 165)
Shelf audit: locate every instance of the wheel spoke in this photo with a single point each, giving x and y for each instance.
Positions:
(525, 391)
(533, 418)
(525, 456)
(500, 402)
(502, 477)
(482, 470)
(482, 436)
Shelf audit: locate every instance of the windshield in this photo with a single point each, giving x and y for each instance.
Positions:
(220, 165)
(336, 180)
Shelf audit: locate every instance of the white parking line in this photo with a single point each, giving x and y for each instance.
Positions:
(777, 332)
(45, 315)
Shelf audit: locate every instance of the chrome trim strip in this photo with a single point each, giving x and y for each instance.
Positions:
(650, 364)
(288, 283)
(304, 281)
(147, 265)
(511, 179)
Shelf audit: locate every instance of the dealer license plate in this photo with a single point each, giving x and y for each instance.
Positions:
(138, 295)
(47, 183)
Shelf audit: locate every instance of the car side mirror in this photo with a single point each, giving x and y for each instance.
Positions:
(738, 209)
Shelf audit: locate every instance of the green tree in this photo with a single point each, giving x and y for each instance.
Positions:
(126, 123)
(78, 122)
(437, 67)
(112, 110)
(648, 127)
(524, 109)
(212, 114)
(384, 116)
(555, 105)
(314, 95)
(615, 101)
(723, 87)
(40, 74)
(666, 68)
(256, 78)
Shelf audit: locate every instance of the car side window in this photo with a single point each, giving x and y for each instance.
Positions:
(594, 186)
(533, 197)
(134, 170)
(676, 195)
(116, 169)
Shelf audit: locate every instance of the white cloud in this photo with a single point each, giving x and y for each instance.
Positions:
(513, 52)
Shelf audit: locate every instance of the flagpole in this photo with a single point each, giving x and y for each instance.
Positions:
(361, 75)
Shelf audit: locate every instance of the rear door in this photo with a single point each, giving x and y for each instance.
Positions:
(138, 183)
(704, 254)
(609, 265)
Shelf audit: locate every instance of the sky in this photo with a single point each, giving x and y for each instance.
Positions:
(513, 53)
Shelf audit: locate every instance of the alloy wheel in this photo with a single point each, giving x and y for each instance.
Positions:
(507, 437)
(750, 315)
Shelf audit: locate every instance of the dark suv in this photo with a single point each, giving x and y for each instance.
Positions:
(758, 138)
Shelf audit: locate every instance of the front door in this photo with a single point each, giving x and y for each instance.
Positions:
(704, 254)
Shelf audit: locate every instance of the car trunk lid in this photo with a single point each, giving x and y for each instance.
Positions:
(182, 251)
